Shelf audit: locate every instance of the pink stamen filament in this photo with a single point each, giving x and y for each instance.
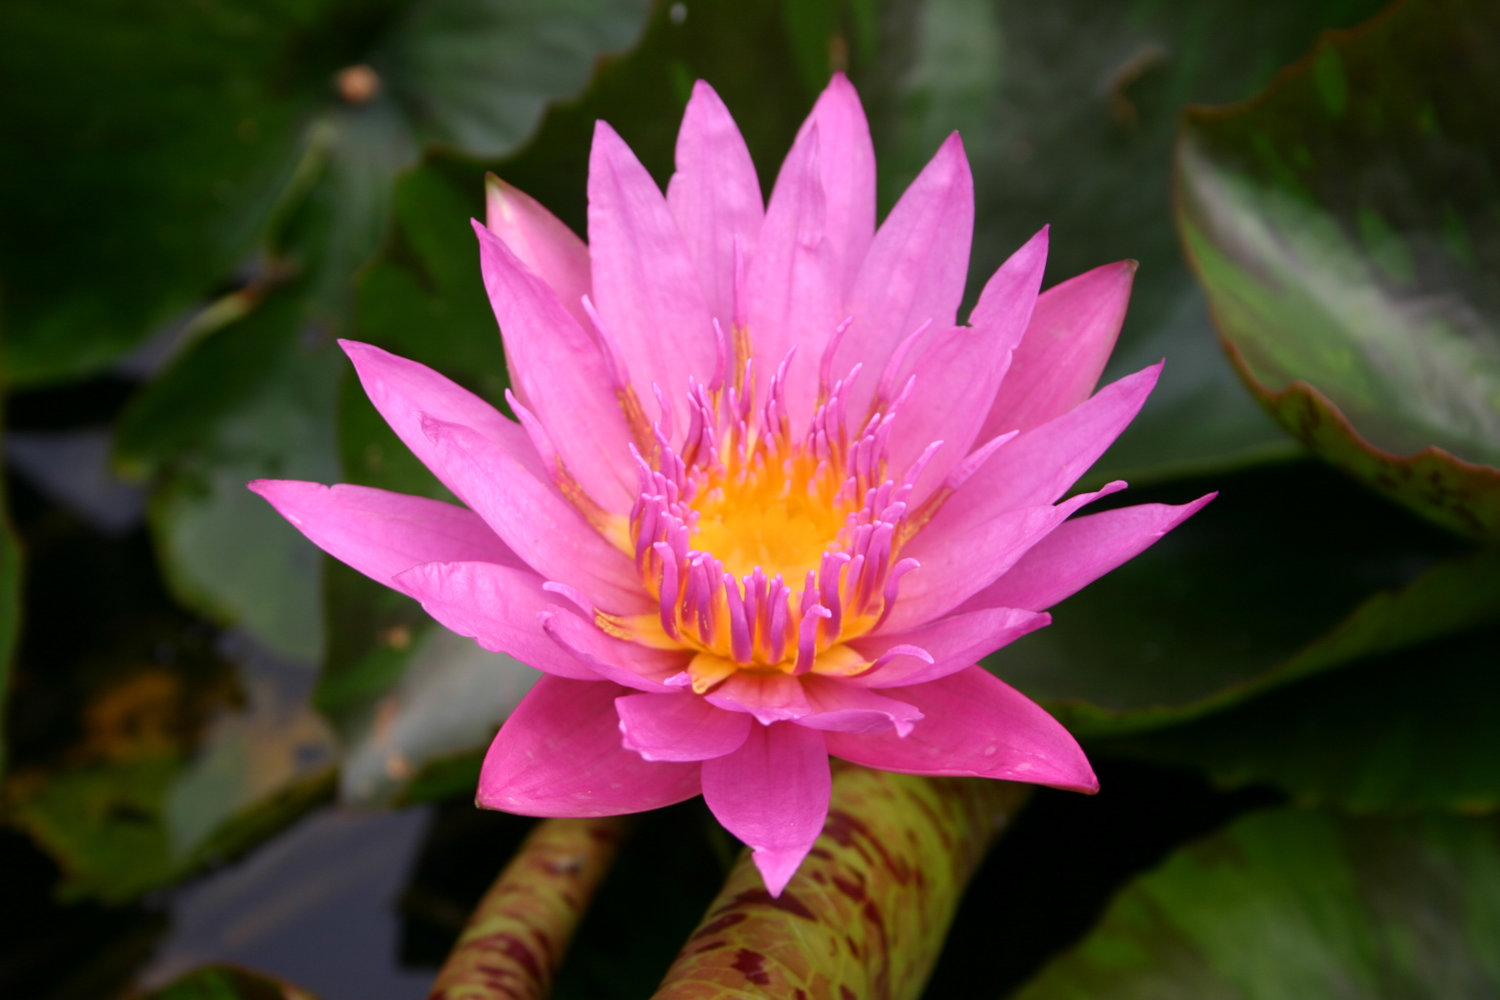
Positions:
(732, 453)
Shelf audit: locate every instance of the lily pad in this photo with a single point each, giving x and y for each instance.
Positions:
(271, 113)
(154, 136)
(138, 804)
(449, 702)
(254, 399)
(255, 396)
(1345, 226)
(1290, 903)
(1414, 730)
(1289, 572)
(1068, 112)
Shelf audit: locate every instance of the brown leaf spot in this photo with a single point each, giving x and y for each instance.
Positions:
(787, 903)
(514, 948)
(843, 828)
(723, 923)
(752, 965)
(853, 888)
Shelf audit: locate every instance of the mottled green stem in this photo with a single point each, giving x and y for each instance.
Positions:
(514, 942)
(865, 916)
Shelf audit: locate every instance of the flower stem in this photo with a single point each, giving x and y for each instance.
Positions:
(867, 913)
(514, 941)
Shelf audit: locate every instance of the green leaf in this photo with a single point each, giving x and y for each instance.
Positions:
(477, 76)
(1286, 574)
(10, 612)
(174, 769)
(1298, 904)
(154, 137)
(423, 298)
(216, 129)
(1346, 225)
(254, 399)
(866, 913)
(1409, 731)
(448, 702)
(1068, 112)
(217, 982)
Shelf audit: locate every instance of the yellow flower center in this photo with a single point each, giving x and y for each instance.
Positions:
(764, 553)
(780, 519)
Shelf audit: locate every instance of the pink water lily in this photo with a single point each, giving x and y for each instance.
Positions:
(765, 499)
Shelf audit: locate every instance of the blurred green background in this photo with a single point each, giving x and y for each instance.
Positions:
(219, 747)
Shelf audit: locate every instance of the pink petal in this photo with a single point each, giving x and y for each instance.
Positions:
(559, 754)
(768, 697)
(960, 556)
(381, 533)
(978, 726)
(772, 793)
(951, 644)
(1039, 465)
(543, 528)
(843, 706)
(847, 167)
(496, 606)
(626, 663)
(1009, 298)
(541, 241)
(645, 282)
(679, 727)
(1082, 550)
(405, 391)
(1070, 337)
(915, 270)
(959, 369)
(715, 197)
(561, 376)
(792, 293)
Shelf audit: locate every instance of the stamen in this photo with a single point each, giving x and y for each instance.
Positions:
(723, 519)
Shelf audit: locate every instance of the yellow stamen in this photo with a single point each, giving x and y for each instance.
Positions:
(781, 518)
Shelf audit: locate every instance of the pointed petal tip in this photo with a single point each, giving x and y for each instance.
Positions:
(277, 492)
(952, 160)
(1035, 249)
(351, 348)
(703, 90)
(777, 867)
(605, 133)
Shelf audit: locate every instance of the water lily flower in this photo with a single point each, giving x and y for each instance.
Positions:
(764, 500)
